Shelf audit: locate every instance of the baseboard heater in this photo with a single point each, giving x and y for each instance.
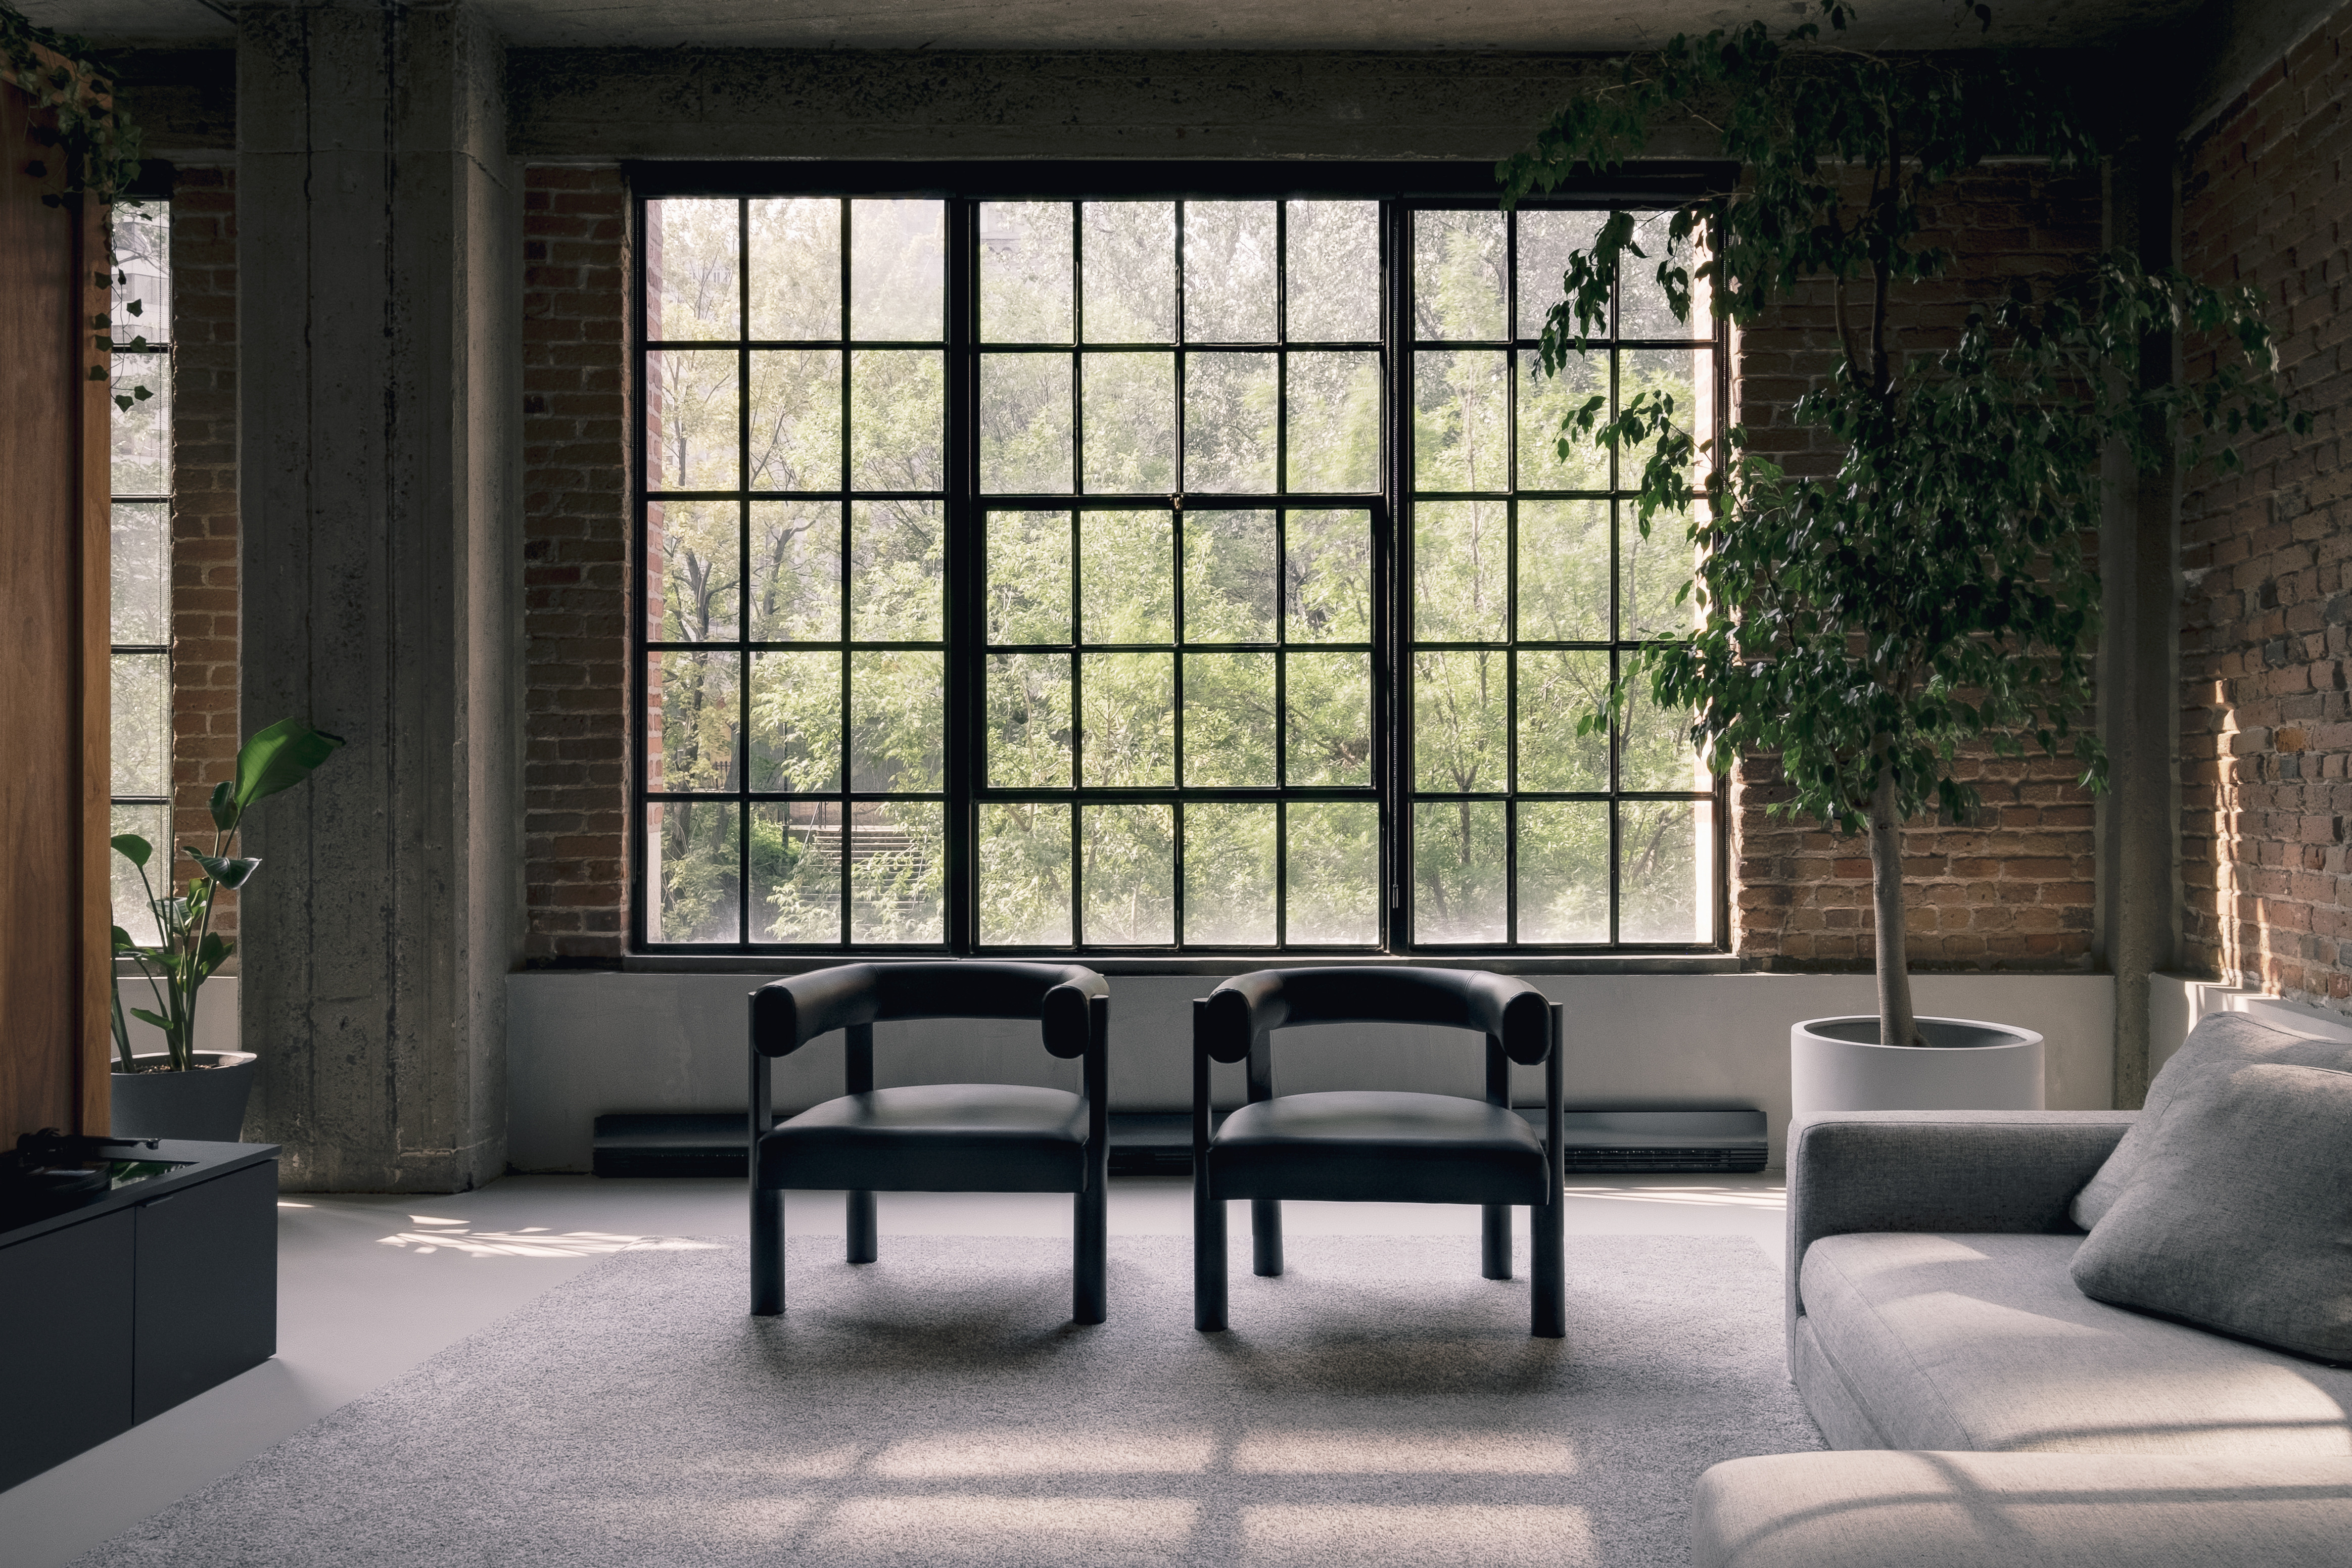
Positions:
(690, 1143)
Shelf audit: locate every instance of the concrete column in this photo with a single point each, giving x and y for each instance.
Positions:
(378, 368)
(2140, 657)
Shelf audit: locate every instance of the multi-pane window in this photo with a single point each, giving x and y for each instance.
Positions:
(142, 586)
(1050, 573)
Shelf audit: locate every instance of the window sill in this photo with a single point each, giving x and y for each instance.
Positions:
(1239, 963)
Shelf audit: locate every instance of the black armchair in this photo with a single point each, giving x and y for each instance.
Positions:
(932, 1137)
(1373, 1146)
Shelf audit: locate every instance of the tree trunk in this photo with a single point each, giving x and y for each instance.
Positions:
(1896, 1023)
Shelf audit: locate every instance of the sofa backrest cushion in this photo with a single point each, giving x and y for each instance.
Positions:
(2216, 1047)
(2240, 1217)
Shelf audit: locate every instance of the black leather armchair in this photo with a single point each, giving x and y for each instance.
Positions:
(1374, 1146)
(932, 1137)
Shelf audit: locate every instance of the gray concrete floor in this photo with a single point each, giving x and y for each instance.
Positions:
(371, 1285)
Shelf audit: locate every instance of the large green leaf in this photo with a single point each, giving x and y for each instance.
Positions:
(145, 1016)
(231, 874)
(280, 757)
(122, 942)
(215, 949)
(132, 847)
(224, 805)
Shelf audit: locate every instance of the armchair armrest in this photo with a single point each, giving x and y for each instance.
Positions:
(2011, 1171)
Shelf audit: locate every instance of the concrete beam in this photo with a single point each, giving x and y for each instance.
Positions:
(378, 372)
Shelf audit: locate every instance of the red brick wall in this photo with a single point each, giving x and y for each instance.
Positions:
(2265, 719)
(576, 563)
(204, 503)
(2014, 890)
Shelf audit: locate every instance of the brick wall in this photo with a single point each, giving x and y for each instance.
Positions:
(2013, 890)
(2266, 716)
(204, 503)
(576, 563)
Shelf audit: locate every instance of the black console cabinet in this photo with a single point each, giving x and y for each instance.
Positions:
(121, 1308)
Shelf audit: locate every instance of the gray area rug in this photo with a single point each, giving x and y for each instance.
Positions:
(1380, 1404)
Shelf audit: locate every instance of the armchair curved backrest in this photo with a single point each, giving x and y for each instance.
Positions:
(787, 1014)
(1506, 1010)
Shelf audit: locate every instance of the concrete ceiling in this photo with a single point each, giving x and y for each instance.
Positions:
(1516, 25)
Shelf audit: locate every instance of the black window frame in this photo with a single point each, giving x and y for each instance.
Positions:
(1400, 188)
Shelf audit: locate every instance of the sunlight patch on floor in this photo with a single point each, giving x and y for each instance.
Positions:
(1701, 1197)
(531, 1242)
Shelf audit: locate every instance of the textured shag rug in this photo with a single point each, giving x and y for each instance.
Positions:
(1380, 1404)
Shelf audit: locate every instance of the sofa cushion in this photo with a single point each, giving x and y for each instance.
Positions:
(2002, 1510)
(2240, 1218)
(2216, 1047)
(1980, 1340)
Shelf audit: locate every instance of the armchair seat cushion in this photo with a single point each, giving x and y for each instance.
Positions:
(1377, 1146)
(934, 1137)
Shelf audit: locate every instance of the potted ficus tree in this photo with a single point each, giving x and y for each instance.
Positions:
(1934, 597)
(181, 1092)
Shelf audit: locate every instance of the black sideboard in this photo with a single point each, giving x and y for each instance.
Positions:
(133, 1299)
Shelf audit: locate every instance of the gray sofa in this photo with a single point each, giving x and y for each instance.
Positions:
(1989, 1412)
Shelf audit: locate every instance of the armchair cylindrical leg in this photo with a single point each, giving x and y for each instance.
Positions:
(1548, 1300)
(1495, 1241)
(767, 1253)
(1089, 1230)
(1266, 1236)
(1208, 1255)
(865, 1228)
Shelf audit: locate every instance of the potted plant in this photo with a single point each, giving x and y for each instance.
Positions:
(1935, 595)
(181, 1092)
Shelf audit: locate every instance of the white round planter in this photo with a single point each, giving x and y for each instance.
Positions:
(1837, 1064)
(207, 1104)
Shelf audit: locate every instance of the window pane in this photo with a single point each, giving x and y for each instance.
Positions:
(1557, 689)
(1229, 874)
(1457, 275)
(1128, 579)
(1024, 875)
(895, 274)
(795, 570)
(1229, 728)
(895, 584)
(796, 872)
(1024, 423)
(692, 547)
(1665, 870)
(1029, 721)
(1130, 423)
(898, 870)
(142, 596)
(795, 419)
(1654, 752)
(796, 270)
(1654, 570)
(1329, 697)
(1024, 272)
(1229, 419)
(1333, 251)
(691, 283)
(1545, 402)
(1457, 871)
(1333, 442)
(143, 433)
(1327, 577)
(1563, 870)
(898, 721)
(1564, 571)
(1685, 376)
(1130, 272)
(1130, 874)
(690, 729)
(1459, 440)
(142, 307)
(1459, 719)
(695, 870)
(1029, 577)
(695, 419)
(1130, 719)
(153, 824)
(1642, 310)
(1332, 887)
(1229, 577)
(1461, 571)
(1545, 241)
(796, 722)
(142, 725)
(1229, 265)
(897, 416)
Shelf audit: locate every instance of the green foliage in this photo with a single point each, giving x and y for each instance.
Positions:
(99, 143)
(188, 952)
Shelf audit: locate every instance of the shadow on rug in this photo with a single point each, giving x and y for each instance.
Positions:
(1380, 1404)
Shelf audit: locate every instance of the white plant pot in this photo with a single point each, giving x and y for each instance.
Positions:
(1837, 1064)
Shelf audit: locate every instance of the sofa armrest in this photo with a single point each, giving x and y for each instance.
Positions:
(2012, 1171)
